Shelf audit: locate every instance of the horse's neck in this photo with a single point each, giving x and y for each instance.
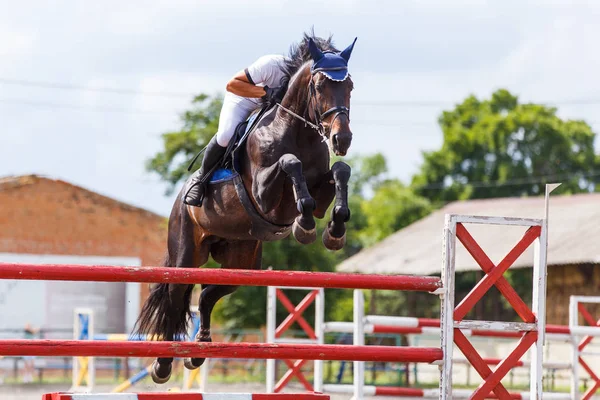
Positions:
(296, 100)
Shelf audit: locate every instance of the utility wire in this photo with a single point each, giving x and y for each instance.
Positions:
(101, 109)
(516, 182)
(378, 103)
(66, 86)
(45, 104)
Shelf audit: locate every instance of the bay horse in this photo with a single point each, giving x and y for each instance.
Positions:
(283, 180)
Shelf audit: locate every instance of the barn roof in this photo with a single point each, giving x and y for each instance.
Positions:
(573, 226)
(40, 215)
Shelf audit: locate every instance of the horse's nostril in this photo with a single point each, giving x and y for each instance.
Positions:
(335, 140)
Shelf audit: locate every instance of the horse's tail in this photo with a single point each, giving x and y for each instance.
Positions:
(159, 318)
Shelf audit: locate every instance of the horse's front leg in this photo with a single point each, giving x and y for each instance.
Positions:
(334, 235)
(288, 165)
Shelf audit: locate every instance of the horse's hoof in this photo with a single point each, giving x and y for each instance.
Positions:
(332, 242)
(161, 372)
(302, 235)
(193, 363)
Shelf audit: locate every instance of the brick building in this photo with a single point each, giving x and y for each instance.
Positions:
(52, 221)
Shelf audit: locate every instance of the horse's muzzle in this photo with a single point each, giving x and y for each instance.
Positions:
(340, 143)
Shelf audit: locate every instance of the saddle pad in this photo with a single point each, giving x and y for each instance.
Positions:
(222, 174)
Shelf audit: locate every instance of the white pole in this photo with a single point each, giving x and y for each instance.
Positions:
(271, 314)
(447, 307)
(91, 370)
(539, 301)
(320, 332)
(76, 336)
(573, 323)
(78, 329)
(204, 371)
(539, 310)
(359, 340)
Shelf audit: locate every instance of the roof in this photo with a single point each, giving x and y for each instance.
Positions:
(573, 226)
(40, 215)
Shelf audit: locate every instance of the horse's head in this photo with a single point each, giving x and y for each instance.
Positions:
(330, 88)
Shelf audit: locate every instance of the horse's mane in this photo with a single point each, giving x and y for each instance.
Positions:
(299, 54)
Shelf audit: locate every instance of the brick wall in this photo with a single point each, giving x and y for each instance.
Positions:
(45, 216)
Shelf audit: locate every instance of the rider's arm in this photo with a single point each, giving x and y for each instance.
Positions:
(241, 86)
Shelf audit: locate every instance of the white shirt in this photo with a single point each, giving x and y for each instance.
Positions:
(265, 71)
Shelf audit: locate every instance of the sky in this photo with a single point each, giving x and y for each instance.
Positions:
(412, 60)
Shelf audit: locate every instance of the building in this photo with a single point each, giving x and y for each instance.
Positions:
(46, 220)
(573, 247)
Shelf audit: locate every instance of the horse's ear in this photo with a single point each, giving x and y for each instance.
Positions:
(348, 51)
(315, 52)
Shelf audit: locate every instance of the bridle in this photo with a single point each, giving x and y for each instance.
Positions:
(319, 117)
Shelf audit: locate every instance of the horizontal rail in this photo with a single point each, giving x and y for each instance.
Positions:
(185, 396)
(495, 326)
(334, 352)
(492, 220)
(105, 273)
(388, 322)
(431, 393)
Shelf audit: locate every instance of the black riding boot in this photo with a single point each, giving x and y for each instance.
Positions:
(212, 156)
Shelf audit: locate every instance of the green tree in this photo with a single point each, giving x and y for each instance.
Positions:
(501, 148)
(200, 123)
(392, 207)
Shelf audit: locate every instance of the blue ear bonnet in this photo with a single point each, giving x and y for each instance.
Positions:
(333, 65)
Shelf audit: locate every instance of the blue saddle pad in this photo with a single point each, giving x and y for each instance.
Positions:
(222, 174)
(251, 121)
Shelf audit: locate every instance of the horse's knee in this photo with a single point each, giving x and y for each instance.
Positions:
(290, 164)
(341, 214)
(341, 172)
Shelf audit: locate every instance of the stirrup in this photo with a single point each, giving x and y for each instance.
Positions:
(201, 196)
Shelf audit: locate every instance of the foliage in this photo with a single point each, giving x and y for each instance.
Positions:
(501, 148)
(392, 207)
(179, 147)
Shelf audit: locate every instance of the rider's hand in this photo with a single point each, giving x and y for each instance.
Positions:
(273, 95)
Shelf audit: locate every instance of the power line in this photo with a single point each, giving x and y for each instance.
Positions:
(378, 103)
(102, 109)
(66, 86)
(43, 104)
(516, 182)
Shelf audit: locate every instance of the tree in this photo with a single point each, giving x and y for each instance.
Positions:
(501, 148)
(199, 125)
(392, 207)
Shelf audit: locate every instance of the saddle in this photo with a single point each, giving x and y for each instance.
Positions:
(229, 166)
(227, 171)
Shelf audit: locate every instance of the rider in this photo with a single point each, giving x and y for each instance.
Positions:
(259, 81)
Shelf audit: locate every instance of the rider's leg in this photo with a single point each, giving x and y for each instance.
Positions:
(232, 113)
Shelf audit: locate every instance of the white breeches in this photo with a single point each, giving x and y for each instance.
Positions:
(235, 110)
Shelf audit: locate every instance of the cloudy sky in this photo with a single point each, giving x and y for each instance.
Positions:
(411, 61)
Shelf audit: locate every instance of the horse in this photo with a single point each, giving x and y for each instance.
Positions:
(284, 181)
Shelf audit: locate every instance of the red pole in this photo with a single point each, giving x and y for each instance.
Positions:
(100, 348)
(104, 273)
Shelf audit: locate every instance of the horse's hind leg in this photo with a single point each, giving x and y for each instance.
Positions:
(231, 255)
(171, 313)
(208, 298)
